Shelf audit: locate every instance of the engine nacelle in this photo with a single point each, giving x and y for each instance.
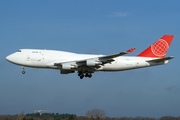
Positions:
(68, 66)
(93, 62)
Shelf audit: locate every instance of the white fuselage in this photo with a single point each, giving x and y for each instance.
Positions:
(38, 58)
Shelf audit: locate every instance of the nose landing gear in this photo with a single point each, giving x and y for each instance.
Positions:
(23, 71)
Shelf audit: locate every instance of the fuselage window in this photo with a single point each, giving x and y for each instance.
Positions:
(19, 51)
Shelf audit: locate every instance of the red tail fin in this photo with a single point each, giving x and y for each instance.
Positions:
(159, 48)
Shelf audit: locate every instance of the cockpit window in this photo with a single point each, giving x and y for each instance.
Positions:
(19, 51)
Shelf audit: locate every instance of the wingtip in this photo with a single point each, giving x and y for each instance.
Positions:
(130, 50)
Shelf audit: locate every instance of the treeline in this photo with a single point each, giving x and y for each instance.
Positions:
(57, 116)
(51, 116)
(38, 116)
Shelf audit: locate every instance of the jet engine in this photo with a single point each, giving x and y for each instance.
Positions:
(68, 67)
(93, 62)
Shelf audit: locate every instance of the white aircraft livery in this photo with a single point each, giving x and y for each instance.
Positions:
(86, 64)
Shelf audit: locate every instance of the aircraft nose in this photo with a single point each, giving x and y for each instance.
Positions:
(10, 58)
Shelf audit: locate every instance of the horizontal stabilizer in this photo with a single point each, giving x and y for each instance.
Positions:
(161, 59)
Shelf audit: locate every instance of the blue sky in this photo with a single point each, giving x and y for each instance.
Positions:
(98, 27)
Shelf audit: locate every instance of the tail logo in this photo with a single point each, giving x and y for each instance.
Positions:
(160, 48)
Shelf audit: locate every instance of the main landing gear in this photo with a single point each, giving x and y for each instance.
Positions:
(23, 71)
(82, 75)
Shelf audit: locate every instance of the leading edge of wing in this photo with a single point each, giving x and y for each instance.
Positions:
(104, 59)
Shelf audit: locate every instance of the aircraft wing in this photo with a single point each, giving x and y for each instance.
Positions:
(91, 63)
(118, 54)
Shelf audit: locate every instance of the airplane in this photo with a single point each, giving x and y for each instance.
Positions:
(86, 64)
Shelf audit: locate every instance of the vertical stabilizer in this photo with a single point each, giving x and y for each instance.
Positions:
(159, 48)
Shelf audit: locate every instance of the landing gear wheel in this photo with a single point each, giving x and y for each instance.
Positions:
(23, 72)
(81, 76)
(84, 74)
(88, 75)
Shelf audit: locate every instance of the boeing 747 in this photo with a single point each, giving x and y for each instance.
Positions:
(86, 64)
